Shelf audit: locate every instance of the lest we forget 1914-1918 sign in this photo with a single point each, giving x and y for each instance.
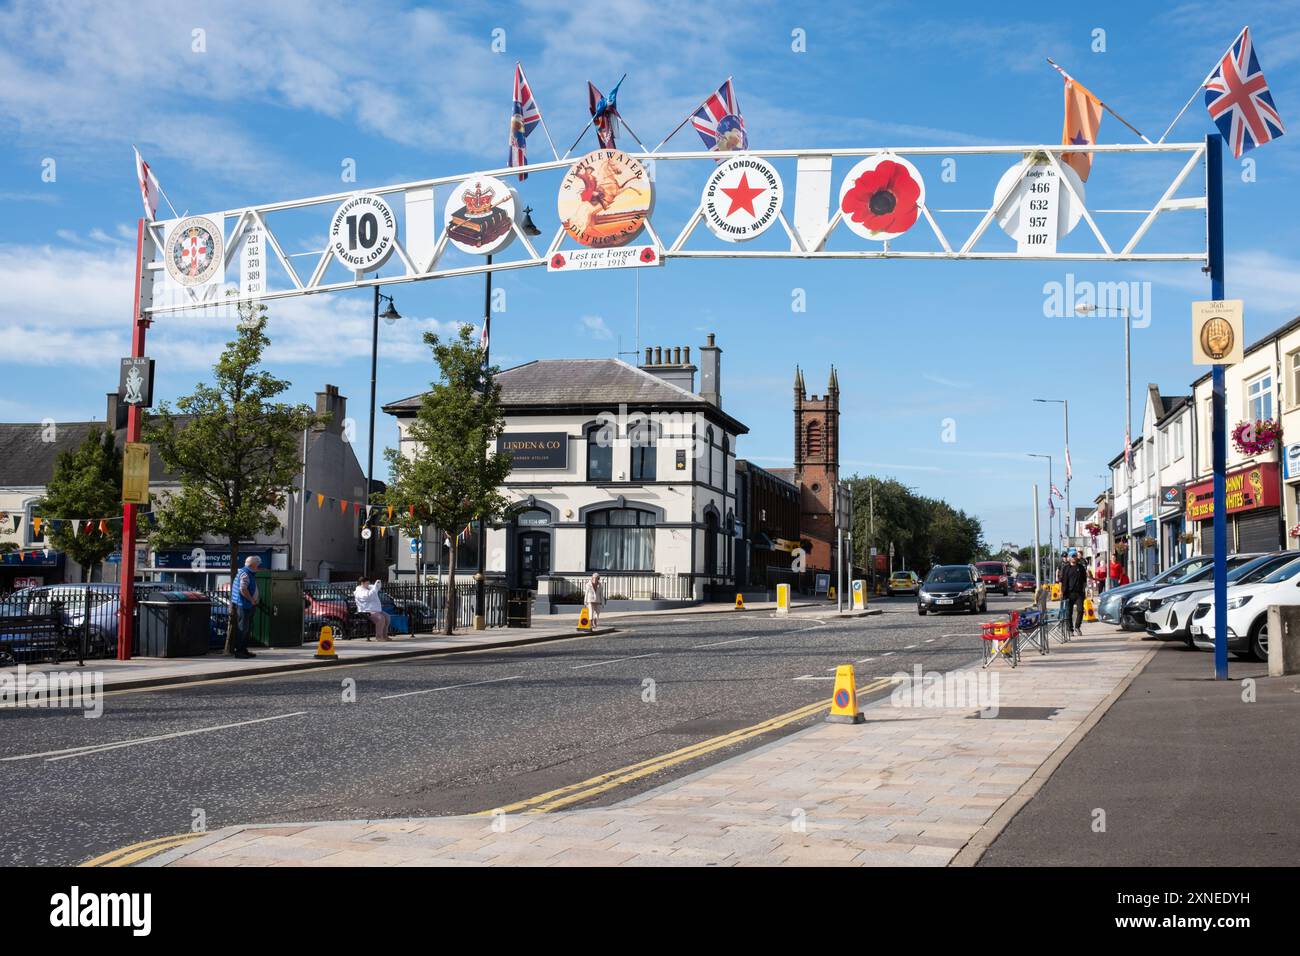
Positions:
(536, 450)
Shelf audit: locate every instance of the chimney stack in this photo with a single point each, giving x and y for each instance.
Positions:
(710, 372)
(334, 405)
(116, 417)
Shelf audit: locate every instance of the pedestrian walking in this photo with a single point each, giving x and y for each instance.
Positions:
(1118, 576)
(1074, 586)
(369, 604)
(243, 595)
(593, 596)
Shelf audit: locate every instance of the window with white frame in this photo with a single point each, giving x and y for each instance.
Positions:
(1176, 439)
(1293, 376)
(1164, 448)
(1259, 397)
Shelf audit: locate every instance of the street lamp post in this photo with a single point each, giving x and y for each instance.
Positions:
(1069, 511)
(1051, 560)
(390, 316)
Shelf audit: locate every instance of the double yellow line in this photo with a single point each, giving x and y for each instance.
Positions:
(602, 783)
(127, 855)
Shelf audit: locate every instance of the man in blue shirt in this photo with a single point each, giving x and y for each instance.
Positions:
(243, 595)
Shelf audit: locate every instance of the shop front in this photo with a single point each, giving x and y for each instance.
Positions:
(1254, 515)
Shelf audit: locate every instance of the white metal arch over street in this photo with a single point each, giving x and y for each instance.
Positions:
(421, 250)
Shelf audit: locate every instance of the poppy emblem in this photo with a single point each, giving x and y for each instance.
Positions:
(648, 254)
(557, 261)
(882, 197)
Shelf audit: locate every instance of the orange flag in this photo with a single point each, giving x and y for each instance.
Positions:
(390, 512)
(343, 506)
(320, 502)
(1082, 120)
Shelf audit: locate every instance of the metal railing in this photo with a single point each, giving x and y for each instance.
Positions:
(421, 607)
(568, 589)
(59, 622)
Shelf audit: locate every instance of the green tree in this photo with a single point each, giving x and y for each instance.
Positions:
(233, 447)
(87, 483)
(451, 474)
(921, 530)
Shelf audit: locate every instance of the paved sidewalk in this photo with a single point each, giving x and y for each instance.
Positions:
(1188, 770)
(910, 787)
(162, 671)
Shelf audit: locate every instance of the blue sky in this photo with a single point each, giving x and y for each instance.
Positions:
(284, 93)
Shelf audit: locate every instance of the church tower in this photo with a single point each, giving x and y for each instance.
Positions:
(817, 465)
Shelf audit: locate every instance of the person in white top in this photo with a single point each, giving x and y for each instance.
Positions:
(368, 603)
(593, 596)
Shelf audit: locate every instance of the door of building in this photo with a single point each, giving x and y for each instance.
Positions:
(1259, 530)
(533, 557)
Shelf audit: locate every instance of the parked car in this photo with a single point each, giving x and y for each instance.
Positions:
(1025, 582)
(1169, 609)
(1247, 609)
(1110, 608)
(995, 575)
(902, 582)
(952, 587)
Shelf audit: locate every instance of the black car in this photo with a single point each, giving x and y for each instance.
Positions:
(952, 587)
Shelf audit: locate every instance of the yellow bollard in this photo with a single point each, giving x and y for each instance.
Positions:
(1056, 592)
(740, 602)
(844, 701)
(859, 595)
(830, 593)
(325, 645)
(1089, 611)
(584, 620)
(783, 599)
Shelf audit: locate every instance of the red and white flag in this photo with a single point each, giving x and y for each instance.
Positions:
(1069, 472)
(150, 191)
(1056, 491)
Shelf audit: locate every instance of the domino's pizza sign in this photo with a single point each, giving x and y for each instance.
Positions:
(1291, 462)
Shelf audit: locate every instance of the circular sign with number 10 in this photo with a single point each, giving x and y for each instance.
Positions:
(363, 233)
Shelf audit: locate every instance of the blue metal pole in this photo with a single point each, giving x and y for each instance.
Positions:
(1214, 227)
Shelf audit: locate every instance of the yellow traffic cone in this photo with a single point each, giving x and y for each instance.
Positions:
(740, 602)
(1089, 611)
(325, 645)
(844, 702)
(584, 620)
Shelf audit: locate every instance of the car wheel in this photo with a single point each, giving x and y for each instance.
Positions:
(890, 593)
(921, 611)
(985, 606)
(1259, 639)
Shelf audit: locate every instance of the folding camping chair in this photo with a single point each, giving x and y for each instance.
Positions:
(1034, 628)
(1001, 641)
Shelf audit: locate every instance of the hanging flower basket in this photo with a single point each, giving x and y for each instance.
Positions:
(1254, 438)
(1189, 537)
(1094, 529)
(1121, 546)
(1295, 531)
(1148, 542)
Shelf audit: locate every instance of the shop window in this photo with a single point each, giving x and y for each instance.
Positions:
(621, 539)
(600, 452)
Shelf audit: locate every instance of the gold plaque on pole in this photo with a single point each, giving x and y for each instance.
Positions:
(1217, 332)
(135, 473)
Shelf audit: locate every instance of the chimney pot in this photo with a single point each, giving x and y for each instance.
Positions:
(710, 338)
(659, 355)
(648, 350)
(688, 355)
(677, 355)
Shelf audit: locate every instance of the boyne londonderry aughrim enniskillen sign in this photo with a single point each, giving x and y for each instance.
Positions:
(536, 450)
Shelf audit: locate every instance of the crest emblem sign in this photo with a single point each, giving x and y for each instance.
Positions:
(481, 215)
(195, 253)
(605, 198)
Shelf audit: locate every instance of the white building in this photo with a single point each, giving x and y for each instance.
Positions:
(620, 469)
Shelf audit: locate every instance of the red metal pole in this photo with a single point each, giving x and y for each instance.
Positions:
(134, 425)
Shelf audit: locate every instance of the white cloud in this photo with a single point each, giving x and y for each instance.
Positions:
(70, 305)
(594, 326)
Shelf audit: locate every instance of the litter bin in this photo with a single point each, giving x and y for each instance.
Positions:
(277, 618)
(173, 624)
(519, 609)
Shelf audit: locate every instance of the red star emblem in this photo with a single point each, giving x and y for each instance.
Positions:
(742, 196)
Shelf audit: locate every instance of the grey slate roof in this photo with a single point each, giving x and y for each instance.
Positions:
(596, 384)
(27, 460)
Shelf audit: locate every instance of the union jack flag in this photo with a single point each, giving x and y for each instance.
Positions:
(1056, 491)
(1237, 96)
(524, 118)
(719, 122)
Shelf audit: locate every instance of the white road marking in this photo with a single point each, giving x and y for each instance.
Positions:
(52, 755)
(614, 661)
(929, 640)
(863, 660)
(909, 647)
(434, 690)
(887, 654)
(812, 677)
(723, 643)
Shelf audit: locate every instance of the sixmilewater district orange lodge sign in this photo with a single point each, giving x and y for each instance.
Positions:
(605, 198)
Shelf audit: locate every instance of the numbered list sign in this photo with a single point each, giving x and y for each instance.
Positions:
(252, 264)
(1040, 194)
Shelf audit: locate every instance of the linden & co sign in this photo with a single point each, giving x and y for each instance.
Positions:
(536, 450)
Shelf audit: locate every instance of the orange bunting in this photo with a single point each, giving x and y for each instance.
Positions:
(320, 501)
